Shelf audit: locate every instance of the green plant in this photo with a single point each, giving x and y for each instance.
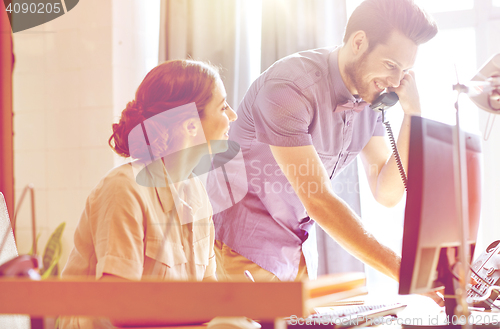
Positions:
(52, 252)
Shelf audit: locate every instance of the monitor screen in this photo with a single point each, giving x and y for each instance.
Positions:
(431, 227)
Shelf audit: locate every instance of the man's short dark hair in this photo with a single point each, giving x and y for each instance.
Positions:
(379, 18)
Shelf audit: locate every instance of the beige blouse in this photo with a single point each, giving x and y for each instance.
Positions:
(132, 230)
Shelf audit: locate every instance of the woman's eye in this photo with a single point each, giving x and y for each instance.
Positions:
(391, 66)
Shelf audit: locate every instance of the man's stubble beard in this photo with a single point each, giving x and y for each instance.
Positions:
(354, 74)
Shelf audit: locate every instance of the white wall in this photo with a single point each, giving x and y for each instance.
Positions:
(72, 77)
(490, 217)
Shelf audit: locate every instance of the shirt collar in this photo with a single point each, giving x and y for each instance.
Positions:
(154, 175)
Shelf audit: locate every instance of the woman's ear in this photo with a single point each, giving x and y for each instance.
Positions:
(191, 127)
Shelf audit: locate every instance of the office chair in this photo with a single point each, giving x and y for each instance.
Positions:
(11, 264)
(8, 254)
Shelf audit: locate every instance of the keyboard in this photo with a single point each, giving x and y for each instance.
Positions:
(347, 316)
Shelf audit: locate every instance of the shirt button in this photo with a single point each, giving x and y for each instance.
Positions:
(341, 154)
(348, 123)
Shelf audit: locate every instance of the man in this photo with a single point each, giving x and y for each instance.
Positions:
(300, 123)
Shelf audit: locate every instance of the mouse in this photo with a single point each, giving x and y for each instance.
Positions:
(226, 322)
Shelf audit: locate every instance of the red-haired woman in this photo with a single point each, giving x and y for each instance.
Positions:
(151, 216)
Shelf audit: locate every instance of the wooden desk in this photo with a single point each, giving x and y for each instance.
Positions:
(159, 300)
(174, 301)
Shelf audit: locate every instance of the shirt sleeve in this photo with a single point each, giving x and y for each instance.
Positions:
(282, 115)
(117, 224)
(379, 127)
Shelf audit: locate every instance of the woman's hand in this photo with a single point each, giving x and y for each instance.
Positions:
(436, 296)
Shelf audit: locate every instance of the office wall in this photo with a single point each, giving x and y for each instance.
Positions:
(72, 78)
(490, 216)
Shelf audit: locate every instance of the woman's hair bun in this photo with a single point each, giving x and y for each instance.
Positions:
(130, 117)
(176, 83)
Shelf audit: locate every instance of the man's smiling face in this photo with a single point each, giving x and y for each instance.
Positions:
(382, 67)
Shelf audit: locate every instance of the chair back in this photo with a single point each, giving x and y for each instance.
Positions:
(8, 249)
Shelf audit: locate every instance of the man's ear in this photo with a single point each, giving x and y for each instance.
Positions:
(359, 42)
(191, 126)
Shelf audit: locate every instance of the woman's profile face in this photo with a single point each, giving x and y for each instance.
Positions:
(217, 116)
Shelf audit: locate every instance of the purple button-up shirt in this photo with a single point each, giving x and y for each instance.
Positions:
(300, 100)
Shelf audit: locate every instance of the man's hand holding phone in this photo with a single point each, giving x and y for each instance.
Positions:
(408, 94)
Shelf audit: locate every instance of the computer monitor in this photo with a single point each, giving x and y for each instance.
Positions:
(431, 233)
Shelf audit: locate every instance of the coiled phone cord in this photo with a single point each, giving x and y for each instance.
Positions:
(395, 150)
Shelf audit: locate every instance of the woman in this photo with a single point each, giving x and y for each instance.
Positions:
(151, 217)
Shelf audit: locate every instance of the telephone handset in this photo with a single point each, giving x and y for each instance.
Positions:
(383, 102)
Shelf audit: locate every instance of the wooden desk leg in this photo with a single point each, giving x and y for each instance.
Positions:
(267, 325)
(277, 324)
(37, 323)
(280, 323)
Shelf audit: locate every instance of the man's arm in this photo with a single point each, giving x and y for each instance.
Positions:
(381, 167)
(379, 163)
(331, 213)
